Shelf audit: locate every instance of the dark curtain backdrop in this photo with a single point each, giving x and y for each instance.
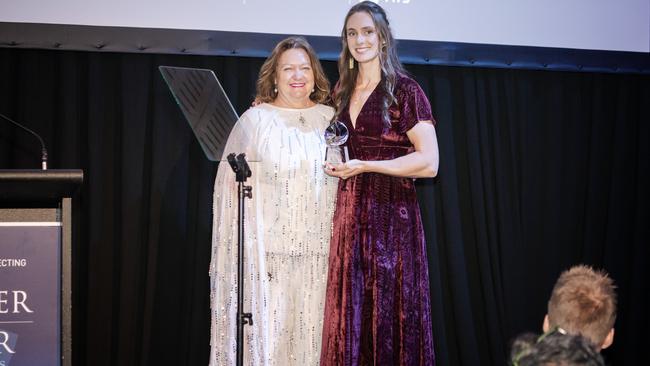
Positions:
(539, 171)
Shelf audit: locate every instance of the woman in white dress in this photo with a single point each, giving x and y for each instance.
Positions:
(288, 220)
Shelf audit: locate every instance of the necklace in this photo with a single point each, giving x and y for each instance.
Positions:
(301, 119)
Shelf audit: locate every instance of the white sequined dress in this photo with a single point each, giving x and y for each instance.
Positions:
(287, 233)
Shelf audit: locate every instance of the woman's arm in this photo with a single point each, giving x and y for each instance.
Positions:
(422, 163)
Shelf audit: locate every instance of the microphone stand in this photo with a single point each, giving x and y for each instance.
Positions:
(43, 150)
(242, 171)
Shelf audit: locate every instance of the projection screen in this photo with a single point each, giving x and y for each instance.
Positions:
(428, 30)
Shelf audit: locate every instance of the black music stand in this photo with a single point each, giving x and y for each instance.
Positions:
(209, 112)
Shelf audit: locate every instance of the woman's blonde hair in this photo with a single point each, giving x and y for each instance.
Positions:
(266, 90)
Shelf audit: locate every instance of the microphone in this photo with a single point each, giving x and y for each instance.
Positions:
(43, 150)
(241, 159)
(233, 162)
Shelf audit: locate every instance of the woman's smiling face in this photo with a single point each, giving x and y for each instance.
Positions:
(362, 37)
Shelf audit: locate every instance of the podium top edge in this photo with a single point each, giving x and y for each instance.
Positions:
(67, 175)
(38, 188)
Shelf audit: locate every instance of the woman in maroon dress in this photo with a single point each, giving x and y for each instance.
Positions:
(377, 310)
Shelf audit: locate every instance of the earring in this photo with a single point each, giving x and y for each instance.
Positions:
(313, 90)
(275, 89)
(351, 65)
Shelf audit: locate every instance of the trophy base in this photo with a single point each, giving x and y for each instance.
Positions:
(336, 154)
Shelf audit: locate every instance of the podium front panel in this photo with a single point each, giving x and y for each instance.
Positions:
(30, 289)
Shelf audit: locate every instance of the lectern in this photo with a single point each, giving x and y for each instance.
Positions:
(35, 266)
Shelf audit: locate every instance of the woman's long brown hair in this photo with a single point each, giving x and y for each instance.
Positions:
(388, 60)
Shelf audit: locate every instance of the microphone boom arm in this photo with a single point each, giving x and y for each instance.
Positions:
(43, 149)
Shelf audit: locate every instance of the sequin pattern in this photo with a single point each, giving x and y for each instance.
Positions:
(288, 228)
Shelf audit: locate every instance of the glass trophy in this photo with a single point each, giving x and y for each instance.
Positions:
(336, 135)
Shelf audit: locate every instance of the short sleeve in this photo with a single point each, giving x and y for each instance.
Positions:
(413, 104)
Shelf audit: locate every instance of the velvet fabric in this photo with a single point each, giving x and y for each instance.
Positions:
(377, 310)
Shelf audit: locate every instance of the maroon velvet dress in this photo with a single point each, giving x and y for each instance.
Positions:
(377, 310)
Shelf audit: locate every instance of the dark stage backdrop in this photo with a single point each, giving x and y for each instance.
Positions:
(539, 171)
